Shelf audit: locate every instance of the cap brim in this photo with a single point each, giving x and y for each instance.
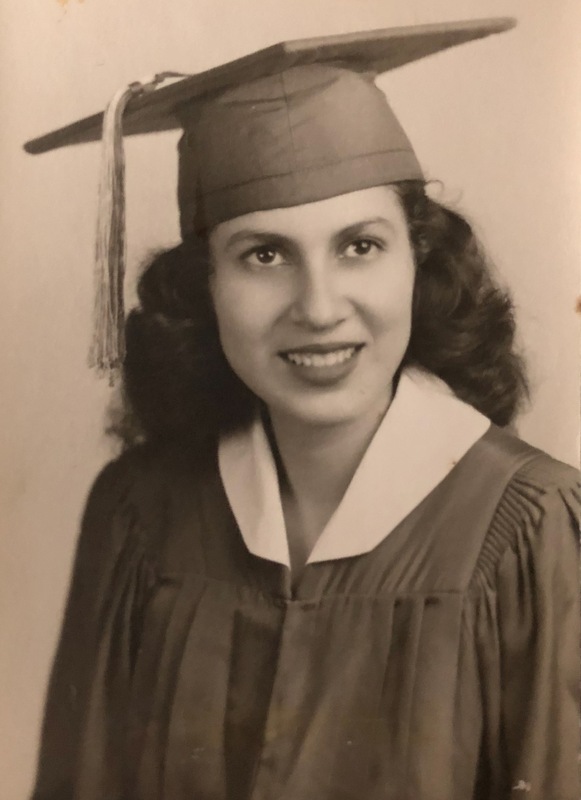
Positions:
(376, 51)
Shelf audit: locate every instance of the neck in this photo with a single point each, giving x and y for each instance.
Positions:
(316, 465)
(321, 461)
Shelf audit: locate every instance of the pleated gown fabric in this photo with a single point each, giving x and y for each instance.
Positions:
(441, 665)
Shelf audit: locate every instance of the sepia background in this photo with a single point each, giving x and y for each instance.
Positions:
(499, 122)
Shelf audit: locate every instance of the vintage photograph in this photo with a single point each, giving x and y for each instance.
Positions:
(290, 478)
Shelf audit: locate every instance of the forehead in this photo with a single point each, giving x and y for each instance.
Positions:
(376, 204)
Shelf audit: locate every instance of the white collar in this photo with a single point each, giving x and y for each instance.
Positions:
(424, 433)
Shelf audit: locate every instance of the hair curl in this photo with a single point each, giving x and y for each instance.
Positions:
(179, 386)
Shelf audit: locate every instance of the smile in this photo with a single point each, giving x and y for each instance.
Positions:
(320, 360)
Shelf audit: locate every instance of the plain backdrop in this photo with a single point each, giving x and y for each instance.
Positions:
(499, 122)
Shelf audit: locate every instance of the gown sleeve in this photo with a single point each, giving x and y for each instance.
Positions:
(530, 639)
(107, 576)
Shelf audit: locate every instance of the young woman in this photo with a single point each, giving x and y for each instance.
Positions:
(325, 570)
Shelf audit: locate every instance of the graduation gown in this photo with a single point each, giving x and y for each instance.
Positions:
(429, 650)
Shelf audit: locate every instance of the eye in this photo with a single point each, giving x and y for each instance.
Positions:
(362, 248)
(263, 256)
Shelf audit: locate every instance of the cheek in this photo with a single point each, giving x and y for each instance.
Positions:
(242, 317)
(389, 298)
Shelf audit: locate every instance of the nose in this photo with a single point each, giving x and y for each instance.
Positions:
(319, 303)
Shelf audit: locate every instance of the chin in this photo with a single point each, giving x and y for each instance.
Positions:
(328, 412)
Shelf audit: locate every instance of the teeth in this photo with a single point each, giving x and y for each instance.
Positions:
(321, 359)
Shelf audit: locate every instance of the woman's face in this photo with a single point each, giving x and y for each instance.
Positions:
(314, 303)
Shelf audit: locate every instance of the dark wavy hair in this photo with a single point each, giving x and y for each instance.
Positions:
(178, 385)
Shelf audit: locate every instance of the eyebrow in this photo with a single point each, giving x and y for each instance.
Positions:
(357, 227)
(277, 238)
(254, 233)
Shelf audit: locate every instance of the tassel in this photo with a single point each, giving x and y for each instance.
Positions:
(108, 344)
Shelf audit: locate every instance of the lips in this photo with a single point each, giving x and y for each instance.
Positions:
(318, 360)
(322, 356)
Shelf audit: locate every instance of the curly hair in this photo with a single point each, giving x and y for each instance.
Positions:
(179, 386)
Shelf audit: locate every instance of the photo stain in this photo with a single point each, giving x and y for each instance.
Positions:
(64, 3)
(578, 305)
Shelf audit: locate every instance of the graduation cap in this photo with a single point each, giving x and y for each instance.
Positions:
(294, 123)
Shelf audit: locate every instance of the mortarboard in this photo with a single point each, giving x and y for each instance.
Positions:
(294, 123)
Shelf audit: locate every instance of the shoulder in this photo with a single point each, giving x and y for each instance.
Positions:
(524, 466)
(141, 481)
(145, 465)
(538, 511)
(539, 479)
